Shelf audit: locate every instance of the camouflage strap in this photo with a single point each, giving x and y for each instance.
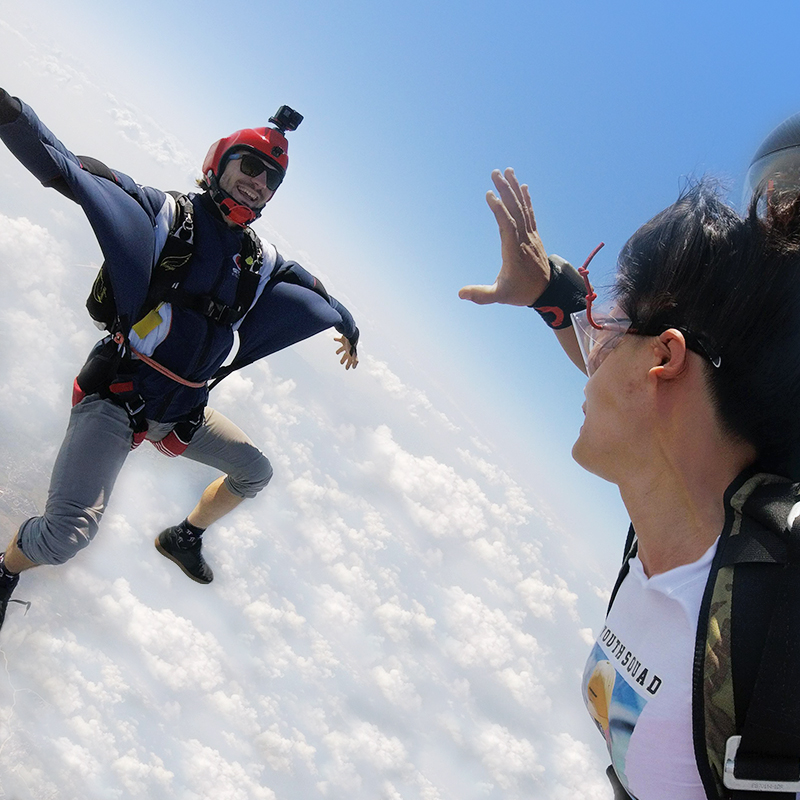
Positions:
(747, 669)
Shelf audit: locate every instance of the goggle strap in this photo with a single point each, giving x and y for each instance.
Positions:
(591, 295)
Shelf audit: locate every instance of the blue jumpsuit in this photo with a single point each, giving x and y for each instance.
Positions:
(131, 223)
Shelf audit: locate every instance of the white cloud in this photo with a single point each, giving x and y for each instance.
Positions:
(587, 636)
(578, 770)
(235, 710)
(498, 557)
(282, 752)
(364, 742)
(542, 598)
(337, 607)
(143, 778)
(36, 325)
(524, 687)
(396, 686)
(399, 623)
(76, 759)
(142, 131)
(325, 541)
(23, 243)
(356, 580)
(538, 595)
(436, 496)
(483, 637)
(604, 593)
(161, 634)
(507, 757)
(416, 400)
(207, 767)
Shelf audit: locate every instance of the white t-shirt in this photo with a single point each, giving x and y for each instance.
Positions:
(637, 684)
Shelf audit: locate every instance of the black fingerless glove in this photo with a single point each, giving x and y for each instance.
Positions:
(10, 107)
(564, 295)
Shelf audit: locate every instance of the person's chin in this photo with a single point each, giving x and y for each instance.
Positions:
(586, 456)
(577, 449)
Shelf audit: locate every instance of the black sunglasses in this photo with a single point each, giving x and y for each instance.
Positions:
(253, 166)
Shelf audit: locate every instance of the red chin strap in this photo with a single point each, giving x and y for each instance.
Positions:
(236, 212)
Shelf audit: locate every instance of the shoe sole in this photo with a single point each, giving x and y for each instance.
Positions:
(174, 560)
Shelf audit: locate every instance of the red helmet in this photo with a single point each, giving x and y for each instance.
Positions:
(267, 143)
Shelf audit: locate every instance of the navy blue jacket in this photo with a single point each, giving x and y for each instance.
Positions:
(131, 223)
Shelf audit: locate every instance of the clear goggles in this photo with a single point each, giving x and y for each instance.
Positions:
(598, 332)
(600, 329)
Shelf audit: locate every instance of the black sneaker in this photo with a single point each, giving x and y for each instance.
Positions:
(8, 582)
(174, 544)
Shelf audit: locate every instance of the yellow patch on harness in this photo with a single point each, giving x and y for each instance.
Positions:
(148, 323)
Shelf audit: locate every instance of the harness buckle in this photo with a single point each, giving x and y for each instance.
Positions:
(754, 784)
(218, 312)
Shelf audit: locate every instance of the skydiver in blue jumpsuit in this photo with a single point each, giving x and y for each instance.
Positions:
(164, 357)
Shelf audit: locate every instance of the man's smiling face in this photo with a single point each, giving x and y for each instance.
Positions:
(249, 190)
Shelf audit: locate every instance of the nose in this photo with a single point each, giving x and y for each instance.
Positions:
(260, 179)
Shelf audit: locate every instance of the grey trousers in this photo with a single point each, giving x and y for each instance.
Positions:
(97, 442)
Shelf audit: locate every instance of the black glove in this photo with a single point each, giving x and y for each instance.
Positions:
(10, 107)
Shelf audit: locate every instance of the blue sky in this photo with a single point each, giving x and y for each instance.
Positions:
(604, 109)
(438, 474)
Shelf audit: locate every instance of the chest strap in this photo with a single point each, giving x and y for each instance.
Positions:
(249, 261)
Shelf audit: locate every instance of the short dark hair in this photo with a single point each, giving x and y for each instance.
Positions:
(734, 282)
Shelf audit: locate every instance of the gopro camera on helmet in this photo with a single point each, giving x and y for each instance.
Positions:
(286, 119)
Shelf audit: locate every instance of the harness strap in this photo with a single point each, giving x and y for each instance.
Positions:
(164, 371)
(250, 260)
(178, 439)
(631, 548)
(770, 745)
(616, 785)
(760, 574)
(173, 261)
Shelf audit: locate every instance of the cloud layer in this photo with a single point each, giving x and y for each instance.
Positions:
(385, 622)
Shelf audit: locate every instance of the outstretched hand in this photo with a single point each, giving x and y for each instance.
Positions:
(349, 355)
(525, 271)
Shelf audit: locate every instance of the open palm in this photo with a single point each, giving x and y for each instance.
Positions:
(525, 271)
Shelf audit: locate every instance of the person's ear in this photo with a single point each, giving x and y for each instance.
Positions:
(670, 354)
